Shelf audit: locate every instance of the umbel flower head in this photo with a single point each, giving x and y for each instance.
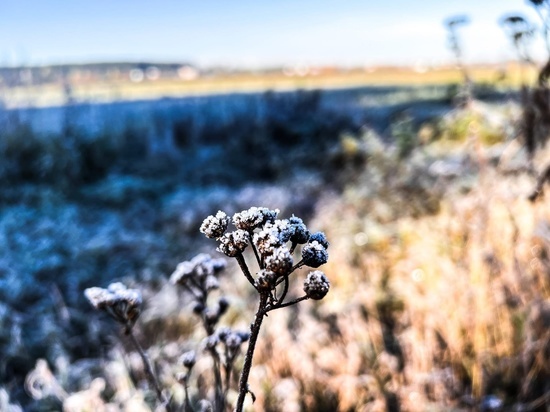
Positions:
(273, 242)
(199, 276)
(123, 304)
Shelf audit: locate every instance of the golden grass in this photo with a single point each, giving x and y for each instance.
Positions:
(53, 94)
(458, 293)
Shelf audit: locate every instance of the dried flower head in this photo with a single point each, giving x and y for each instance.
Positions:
(457, 21)
(265, 279)
(319, 237)
(254, 217)
(188, 359)
(282, 228)
(123, 304)
(514, 19)
(201, 266)
(223, 305)
(266, 241)
(316, 285)
(211, 342)
(214, 227)
(233, 341)
(314, 254)
(198, 308)
(301, 233)
(245, 335)
(234, 243)
(280, 262)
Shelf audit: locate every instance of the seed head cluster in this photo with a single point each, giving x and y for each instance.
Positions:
(273, 242)
(253, 218)
(279, 247)
(123, 304)
(200, 276)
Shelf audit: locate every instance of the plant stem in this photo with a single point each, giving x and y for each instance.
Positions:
(285, 290)
(251, 233)
(220, 399)
(244, 268)
(254, 332)
(284, 305)
(187, 407)
(219, 404)
(153, 381)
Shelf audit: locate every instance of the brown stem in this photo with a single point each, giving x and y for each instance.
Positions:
(244, 268)
(285, 290)
(153, 381)
(296, 266)
(254, 332)
(256, 254)
(220, 400)
(219, 404)
(187, 407)
(284, 305)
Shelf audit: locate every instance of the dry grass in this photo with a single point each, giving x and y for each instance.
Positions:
(436, 311)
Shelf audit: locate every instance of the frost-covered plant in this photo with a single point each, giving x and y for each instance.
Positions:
(124, 305)
(198, 277)
(273, 243)
(452, 25)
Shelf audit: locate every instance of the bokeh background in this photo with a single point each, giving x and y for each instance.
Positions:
(412, 133)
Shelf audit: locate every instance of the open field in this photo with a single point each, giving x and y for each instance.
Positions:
(505, 76)
(438, 262)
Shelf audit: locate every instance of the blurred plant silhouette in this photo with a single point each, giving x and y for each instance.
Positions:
(452, 24)
(521, 33)
(535, 100)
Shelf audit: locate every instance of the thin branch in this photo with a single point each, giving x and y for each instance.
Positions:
(151, 377)
(245, 270)
(284, 305)
(219, 398)
(254, 332)
(285, 290)
(293, 247)
(296, 266)
(256, 254)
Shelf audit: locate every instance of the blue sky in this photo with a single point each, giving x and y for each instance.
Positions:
(249, 32)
